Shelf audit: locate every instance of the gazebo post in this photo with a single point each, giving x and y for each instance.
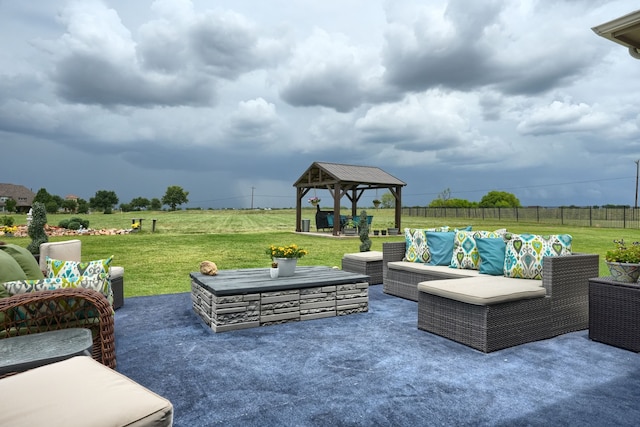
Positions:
(299, 194)
(337, 194)
(398, 196)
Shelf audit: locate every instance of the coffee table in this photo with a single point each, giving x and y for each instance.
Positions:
(25, 352)
(248, 298)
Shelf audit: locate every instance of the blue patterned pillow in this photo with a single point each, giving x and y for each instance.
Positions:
(416, 245)
(525, 252)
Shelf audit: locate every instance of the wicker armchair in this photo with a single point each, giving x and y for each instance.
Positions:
(44, 311)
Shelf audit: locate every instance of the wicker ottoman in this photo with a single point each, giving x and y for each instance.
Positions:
(117, 284)
(80, 392)
(369, 263)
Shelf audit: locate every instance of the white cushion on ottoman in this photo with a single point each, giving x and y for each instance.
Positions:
(79, 392)
(365, 256)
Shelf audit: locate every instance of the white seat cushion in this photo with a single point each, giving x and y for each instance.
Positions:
(484, 289)
(80, 392)
(365, 256)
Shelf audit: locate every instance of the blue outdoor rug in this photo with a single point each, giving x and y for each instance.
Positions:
(369, 369)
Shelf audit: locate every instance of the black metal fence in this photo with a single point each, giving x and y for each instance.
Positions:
(617, 217)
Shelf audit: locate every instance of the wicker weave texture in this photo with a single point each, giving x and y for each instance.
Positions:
(485, 327)
(59, 309)
(373, 269)
(614, 313)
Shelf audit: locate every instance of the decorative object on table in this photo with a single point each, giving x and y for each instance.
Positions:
(364, 233)
(286, 257)
(36, 229)
(209, 268)
(624, 261)
(273, 271)
(315, 200)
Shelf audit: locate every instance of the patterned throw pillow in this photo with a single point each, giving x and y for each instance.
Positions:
(524, 253)
(416, 245)
(87, 274)
(465, 250)
(98, 283)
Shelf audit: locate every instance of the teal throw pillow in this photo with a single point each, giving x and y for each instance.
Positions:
(491, 251)
(440, 247)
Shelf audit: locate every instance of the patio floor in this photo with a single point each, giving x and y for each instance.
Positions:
(374, 368)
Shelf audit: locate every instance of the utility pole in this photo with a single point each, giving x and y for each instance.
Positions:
(253, 188)
(637, 173)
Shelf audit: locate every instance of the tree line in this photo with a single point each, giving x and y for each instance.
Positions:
(107, 200)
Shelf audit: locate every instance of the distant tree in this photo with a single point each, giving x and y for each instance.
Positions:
(42, 196)
(388, 201)
(125, 207)
(175, 196)
(69, 205)
(51, 206)
(104, 200)
(139, 203)
(452, 203)
(156, 204)
(10, 205)
(499, 199)
(83, 206)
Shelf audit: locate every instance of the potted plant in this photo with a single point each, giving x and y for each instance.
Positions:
(392, 229)
(624, 261)
(376, 203)
(349, 228)
(286, 257)
(315, 201)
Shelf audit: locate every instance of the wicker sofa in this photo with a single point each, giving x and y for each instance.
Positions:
(490, 313)
(44, 311)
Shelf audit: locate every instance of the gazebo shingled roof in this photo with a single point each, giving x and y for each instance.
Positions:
(346, 180)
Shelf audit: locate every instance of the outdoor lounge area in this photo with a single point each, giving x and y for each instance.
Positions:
(373, 368)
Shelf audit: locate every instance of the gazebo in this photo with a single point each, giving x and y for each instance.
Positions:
(346, 180)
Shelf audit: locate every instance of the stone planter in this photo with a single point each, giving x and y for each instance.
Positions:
(286, 266)
(349, 231)
(624, 272)
(392, 231)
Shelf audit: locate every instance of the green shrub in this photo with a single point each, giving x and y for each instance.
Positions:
(74, 223)
(7, 220)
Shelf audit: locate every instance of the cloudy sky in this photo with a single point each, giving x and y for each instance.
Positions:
(232, 98)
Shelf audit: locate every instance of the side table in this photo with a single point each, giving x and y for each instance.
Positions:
(24, 352)
(614, 313)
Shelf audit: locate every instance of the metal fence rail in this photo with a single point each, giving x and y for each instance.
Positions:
(582, 217)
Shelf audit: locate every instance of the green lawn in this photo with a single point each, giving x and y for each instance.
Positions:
(160, 262)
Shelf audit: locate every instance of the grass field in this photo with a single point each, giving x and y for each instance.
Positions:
(160, 262)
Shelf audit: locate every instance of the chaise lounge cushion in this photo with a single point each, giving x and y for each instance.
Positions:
(80, 392)
(483, 290)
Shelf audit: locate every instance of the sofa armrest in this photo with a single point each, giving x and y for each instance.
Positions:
(568, 276)
(44, 311)
(391, 251)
